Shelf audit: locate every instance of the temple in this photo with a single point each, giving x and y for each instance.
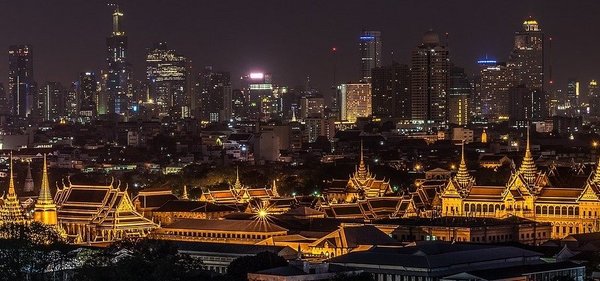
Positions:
(45, 209)
(11, 210)
(239, 193)
(529, 193)
(361, 185)
(99, 213)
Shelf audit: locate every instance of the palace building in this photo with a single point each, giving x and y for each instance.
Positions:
(99, 213)
(238, 193)
(529, 193)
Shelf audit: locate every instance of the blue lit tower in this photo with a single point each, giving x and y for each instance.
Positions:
(117, 84)
(370, 53)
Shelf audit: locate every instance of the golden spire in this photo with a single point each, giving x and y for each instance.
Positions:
(184, 195)
(528, 168)
(596, 178)
(484, 136)
(462, 176)
(238, 184)
(11, 210)
(362, 171)
(45, 209)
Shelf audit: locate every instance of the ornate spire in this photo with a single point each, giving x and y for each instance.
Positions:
(238, 184)
(28, 186)
(528, 168)
(274, 188)
(362, 171)
(462, 176)
(596, 178)
(45, 209)
(11, 210)
(184, 195)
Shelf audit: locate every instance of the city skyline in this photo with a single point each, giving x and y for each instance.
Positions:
(293, 58)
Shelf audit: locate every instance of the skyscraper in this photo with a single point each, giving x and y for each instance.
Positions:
(212, 90)
(496, 80)
(572, 99)
(118, 71)
(52, 101)
(166, 71)
(21, 86)
(390, 88)
(594, 98)
(355, 101)
(459, 97)
(88, 95)
(429, 79)
(258, 93)
(528, 55)
(370, 53)
(526, 105)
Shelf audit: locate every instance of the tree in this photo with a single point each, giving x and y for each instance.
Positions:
(239, 268)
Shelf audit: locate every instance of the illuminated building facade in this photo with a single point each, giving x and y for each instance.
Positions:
(429, 79)
(21, 86)
(572, 99)
(258, 95)
(166, 71)
(118, 69)
(529, 193)
(88, 95)
(370, 53)
(239, 193)
(213, 90)
(312, 106)
(594, 97)
(355, 101)
(496, 80)
(98, 213)
(526, 105)
(390, 89)
(528, 55)
(459, 97)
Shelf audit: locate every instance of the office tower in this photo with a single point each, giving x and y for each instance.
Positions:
(72, 101)
(429, 79)
(166, 71)
(528, 55)
(238, 104)
(370, 53)
(459, 97)
(495, 81)
(258, 91)
(526, 105)
(88, 95)
(355, 101)
(572, 98)
(312, 106)
(4, 106)
(390, 89)
(21, 86)
(319, 126)
(211, 90)
(52, 101)
(118, 70)
(594, 98)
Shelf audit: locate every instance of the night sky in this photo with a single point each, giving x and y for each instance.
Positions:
(292, 38)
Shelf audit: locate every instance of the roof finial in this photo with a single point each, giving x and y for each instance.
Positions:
(362, 171)
(528, 168)
(462, 176)
(11, 182)
(184, 194)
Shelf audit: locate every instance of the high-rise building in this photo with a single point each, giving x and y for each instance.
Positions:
(258, 93)
(355, 101)
(21, 85)
(370, 53)
(118, 69)
(52, 101)
(212, 90)
(390, 88)
(312, 106)
(88, 88)
(4, 106)
(495, 81)
(166, 71)
(528, 55)
(594, 98)
(526, 105)
(572, 98)
(459, 97)
(429, 79)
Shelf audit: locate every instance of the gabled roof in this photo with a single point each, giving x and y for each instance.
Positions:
(226, 225)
